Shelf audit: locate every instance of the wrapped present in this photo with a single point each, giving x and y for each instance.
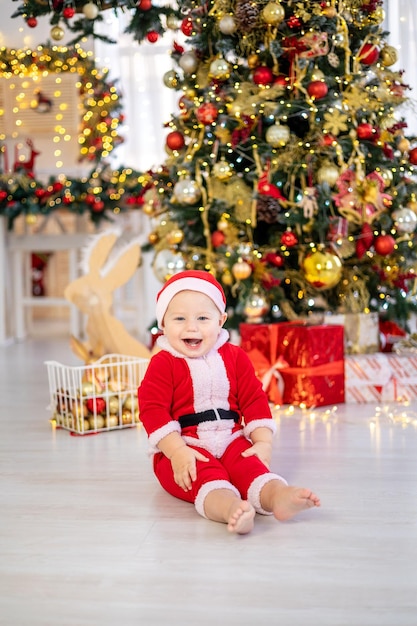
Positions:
(297, 363)
(361, 331)
(380, 377)
(390, 334)
(367, 377)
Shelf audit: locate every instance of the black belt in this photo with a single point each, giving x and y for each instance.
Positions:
(192, 419)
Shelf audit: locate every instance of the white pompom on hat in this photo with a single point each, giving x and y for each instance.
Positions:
(190, 280)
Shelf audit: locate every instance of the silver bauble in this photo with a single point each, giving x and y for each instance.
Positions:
(277, 135)
(188, 62)
(187, 191)
(167, 263)
(405, 220)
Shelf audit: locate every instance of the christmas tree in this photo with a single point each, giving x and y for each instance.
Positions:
(290, 175)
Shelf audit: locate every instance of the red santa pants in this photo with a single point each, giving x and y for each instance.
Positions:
(244, 475)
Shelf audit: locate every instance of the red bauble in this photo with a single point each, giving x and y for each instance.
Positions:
(365, 131)
(328, 140)
(217, 238)
(412, 156)
(152, 36)
(364, 241)
(317, 89)
(289, 239)
(384, 245)
(32, 22)
(207, 113)
(175, 140)
(3, 195)
(98, 206)
(368, 54)
(274, 259)
(262, 75)
(145, 5)
(187, 26)
(68, 12)
(96, 405)
(281, 80)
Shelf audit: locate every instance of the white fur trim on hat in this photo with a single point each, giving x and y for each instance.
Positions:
(189, 283)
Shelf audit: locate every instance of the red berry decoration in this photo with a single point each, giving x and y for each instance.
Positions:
(412, 156)
(32, 22)
(152, 36)
(262, 75)
(317, 89)
(364, 241)
(68, 12)
(365, 131)
(217, 238)
(207, 113)
(368, 54)
(281, 80)
(96, 405)
(289, 239)
(175, 140)
(187, 26)
(274, 259)
(3, 195)
(145, 5)
(384, 245)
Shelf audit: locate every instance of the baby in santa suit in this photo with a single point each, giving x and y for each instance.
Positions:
(208, 420)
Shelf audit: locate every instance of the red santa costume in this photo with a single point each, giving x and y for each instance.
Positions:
(214, 402)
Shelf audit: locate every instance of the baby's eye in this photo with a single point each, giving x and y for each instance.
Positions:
(179, 318)
(203, 318)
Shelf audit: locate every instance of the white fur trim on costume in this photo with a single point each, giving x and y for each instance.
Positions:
(187, 284)
(213, 442)
(261, 423)
(254, 491)
(158, 435)
(208, 488)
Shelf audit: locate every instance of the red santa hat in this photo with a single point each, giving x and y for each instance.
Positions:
(190, 280)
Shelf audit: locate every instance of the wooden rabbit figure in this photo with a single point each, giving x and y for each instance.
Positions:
(92, 293)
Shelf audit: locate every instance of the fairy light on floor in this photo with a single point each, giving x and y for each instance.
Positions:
(312, 414)
(399, 414)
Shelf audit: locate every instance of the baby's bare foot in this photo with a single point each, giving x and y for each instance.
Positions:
(241, 519)
(292, 500)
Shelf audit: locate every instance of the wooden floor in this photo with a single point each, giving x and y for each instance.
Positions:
(87, 537)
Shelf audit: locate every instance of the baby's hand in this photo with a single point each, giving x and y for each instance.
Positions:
(261, 449)
(183, 463)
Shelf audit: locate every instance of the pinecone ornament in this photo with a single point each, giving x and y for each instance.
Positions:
(267, 209)
(246, 15)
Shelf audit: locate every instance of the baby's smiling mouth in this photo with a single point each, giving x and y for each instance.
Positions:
(192, 342)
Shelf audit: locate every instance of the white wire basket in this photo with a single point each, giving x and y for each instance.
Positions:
(96, 397)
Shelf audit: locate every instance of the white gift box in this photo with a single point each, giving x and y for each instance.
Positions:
(361, 331)
(380, 377)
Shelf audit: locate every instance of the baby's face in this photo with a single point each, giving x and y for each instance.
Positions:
(192, 323)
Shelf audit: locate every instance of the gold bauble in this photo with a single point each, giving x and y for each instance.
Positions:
(273, 13)
(96, 422)
(173, 23)
(127, 417)
(223, 224)
(175, 237)
(130, 403)
(171, 79)
(241, 270)
(57, 33)
(227, 278)
(322, 269)
(222, 170)
(253, 61)
(187, 191)
(403, 144)
(278, 135)
(219, 69)
(112, 421)
(153, 238)
(227, 25)
(329, 11)
(388, 56)
(387, 176)
(113, 405)
(378, 16)
(328, 173)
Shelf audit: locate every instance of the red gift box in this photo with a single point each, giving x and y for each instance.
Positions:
(298, 363)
